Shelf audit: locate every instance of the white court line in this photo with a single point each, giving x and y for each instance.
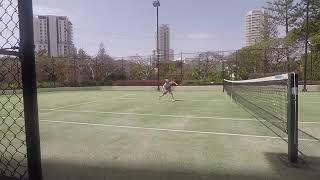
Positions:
(172, 130)
(306, 122)
(90, 102)
(195, 100)
(157, 115)
(168, 115)
(302, 103)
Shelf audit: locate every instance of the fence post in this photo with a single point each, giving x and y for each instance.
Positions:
(122, 70)
(53, 72)
(223, 75)
(236, 69)
(288, 59)
(74, 71)
(96, 71)
(151, 67)
(199, 65)
(176, 63)
(265, 70)
(207, 66)
(181, 69)
(311, 65)
(29, 84)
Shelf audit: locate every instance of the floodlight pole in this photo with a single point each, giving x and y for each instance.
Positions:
(157, 4)
(306, 51)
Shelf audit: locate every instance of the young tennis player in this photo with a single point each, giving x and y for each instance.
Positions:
(167, 88)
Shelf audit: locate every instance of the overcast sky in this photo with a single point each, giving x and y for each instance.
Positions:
(127, 27)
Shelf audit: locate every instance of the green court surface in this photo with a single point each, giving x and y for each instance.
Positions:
(133, 135)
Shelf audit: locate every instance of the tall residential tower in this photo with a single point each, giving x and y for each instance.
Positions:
(164, 42)
(54, 34)
(254, 25)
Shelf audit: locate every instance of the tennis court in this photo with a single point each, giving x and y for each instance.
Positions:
(132, 135)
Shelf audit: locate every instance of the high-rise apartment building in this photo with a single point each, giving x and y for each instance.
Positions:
(54, 34)
(164, 42)
(254, 25)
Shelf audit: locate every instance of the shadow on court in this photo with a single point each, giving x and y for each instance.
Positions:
(53, 170)
(307, 167)
(7, 178)
(177, 100)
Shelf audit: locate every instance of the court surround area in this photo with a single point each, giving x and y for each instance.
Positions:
(104, 134)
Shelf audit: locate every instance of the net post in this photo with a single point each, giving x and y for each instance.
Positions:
(292, 117)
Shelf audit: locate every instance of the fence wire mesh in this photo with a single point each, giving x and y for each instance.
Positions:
(203, 68)
(314, 65)
(13, 155)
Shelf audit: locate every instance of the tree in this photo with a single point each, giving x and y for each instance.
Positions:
(83, 68)
(269, 29)
(102, 54)
(141, 68)
(298, 32)
(105, 65)
(210, 64)
(297, 36)
(301, 9)
(44, 68)
(282, 13)
(42, 53)
(82, 54)
(263, 59)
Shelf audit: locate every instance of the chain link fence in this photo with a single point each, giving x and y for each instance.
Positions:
(255, 63)
(19, 133)
(204, 68)
(13, 154)
(314, 65)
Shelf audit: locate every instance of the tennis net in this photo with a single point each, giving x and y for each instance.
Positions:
(273, 99)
